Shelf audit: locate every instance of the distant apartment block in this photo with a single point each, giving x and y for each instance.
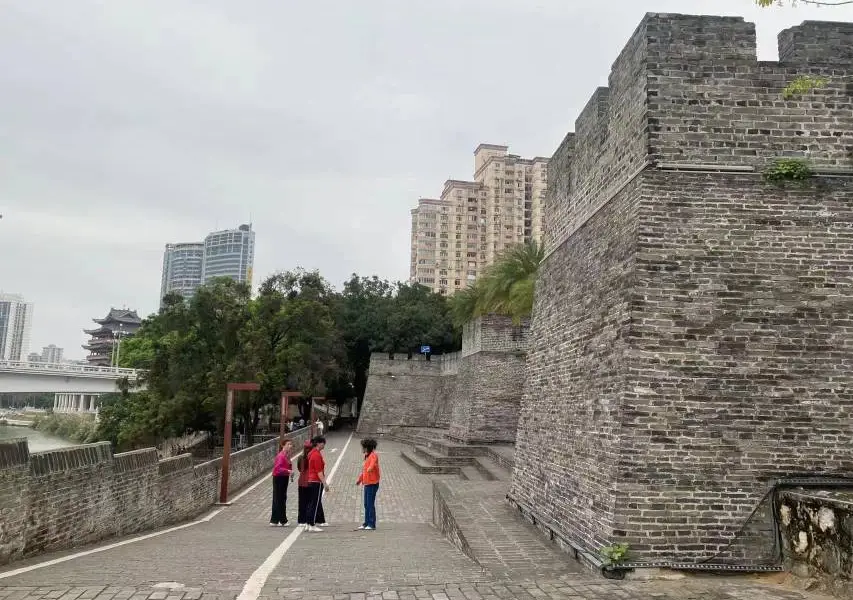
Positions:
(229, 253)
(51, 354)
(458, 235)
(16, 321)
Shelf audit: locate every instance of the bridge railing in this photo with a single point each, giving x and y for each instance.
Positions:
(43, 367)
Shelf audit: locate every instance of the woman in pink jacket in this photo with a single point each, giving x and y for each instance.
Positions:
(281, 472)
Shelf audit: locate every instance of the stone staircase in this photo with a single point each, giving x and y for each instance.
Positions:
(432, 453)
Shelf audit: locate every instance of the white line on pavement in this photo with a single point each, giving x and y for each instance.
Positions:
(255, 584)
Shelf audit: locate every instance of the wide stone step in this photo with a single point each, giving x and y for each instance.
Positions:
(436, 458)
(423, 467)
(492, 471)
(471, 473)
(452, 449)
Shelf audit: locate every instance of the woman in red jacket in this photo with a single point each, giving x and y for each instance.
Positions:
(369, 478)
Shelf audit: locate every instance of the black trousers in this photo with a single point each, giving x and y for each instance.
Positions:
(304, 501)
(279, 498)
(314, 510)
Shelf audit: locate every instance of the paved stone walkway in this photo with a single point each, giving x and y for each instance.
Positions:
(406, 558)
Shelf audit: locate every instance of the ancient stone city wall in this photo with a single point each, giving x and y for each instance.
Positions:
(692, 333)
(74, 496)
(474, 393)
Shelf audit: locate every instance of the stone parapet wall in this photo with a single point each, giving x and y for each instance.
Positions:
(493, 333)
(816, 529)
(692, 336)
(74, 496)
(475, 393)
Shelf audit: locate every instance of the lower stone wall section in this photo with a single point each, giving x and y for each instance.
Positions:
(488, 398)
(74, 496)
(817, 538)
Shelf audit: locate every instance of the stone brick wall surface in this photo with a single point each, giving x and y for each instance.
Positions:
(692, 336)
(78, 495)
(475, 393)
(488, 395)
(817, 537)
(399, 392)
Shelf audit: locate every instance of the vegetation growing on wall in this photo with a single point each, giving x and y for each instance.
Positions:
(505, 288)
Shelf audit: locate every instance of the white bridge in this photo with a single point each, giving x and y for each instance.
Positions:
(76, 387)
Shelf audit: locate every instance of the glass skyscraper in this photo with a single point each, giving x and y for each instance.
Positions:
(229, 253)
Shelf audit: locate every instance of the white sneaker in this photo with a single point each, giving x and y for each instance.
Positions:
(368, 528)
(313, 529)
(273, 524)
(284, 524)
(322, 524)
(361, 527)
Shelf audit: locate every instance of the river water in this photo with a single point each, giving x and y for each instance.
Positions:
(37, 441)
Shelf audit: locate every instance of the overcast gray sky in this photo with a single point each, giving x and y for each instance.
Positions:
(127, 124)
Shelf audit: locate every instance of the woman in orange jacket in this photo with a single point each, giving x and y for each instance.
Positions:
(369, 478)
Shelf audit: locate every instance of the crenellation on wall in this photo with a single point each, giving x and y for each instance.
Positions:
(184, 462)
(14, 453)
(65, 459)
(817, 42)
(135, 459)
(688, 92)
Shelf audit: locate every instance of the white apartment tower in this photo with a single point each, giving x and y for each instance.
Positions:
(16, 321)
(455, 237)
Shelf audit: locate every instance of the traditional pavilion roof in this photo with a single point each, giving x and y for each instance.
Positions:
(99, 331)
(120, 315)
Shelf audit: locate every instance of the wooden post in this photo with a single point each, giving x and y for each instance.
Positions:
(283, 416)
(226, 452)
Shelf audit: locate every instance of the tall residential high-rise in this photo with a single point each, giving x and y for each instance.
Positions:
(228, 253)
(182, 269)
(16, 321)
(456, 237)
(51, 354)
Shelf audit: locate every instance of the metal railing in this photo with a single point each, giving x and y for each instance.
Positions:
(21, 366)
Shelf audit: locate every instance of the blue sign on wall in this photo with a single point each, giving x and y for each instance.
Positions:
(425, 349)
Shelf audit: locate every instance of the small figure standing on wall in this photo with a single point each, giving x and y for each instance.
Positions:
(369, 478)
(281, 473)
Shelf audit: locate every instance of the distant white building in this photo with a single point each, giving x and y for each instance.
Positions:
(16, 321)
(51, 354)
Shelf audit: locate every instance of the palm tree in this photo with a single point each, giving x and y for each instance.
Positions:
(505, 288)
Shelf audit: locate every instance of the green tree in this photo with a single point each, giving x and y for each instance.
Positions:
(417, 316)
(291, 341)
(505, 288)
(362, 313)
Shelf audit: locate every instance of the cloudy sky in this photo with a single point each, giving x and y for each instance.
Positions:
(127, 124)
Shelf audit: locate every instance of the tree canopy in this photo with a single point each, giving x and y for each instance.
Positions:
(298, 333)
